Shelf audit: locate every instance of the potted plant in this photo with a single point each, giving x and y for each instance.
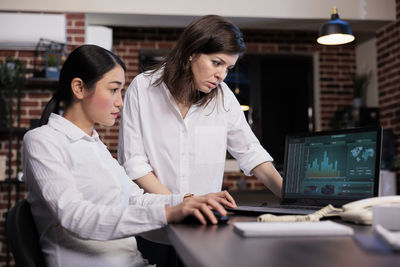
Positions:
(360, 82)
(12, 80)
(52, 63)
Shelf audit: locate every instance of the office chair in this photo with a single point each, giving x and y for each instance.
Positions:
(23, 237)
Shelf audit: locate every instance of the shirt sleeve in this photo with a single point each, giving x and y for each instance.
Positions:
(242, 144)
(139, 198)
(131, 153)
(50, 180)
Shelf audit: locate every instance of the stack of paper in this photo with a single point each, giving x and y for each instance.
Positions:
(391, 237)
(324, 228)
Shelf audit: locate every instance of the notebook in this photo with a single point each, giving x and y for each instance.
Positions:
(327, 167)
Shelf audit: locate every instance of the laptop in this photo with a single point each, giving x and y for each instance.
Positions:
(327, 167)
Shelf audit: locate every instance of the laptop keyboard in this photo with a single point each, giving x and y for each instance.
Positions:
(295, 207)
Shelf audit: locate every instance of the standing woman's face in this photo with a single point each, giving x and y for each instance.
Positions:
(103, 104)
(209, 70)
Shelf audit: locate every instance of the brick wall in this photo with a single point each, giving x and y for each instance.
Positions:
(388, 59)
(336, 62)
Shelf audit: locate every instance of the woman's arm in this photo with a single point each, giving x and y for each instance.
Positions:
(150, 184)
(245, 147)
(51, 180)
(131, 151)
(269, 176)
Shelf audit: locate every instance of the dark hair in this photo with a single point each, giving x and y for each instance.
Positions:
(87, 62)
(206, 35)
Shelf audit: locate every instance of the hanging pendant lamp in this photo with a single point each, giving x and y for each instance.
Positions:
(335, 31)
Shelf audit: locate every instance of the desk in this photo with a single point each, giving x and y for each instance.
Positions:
(210, 246)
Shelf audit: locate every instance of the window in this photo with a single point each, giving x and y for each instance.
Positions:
(279, 90)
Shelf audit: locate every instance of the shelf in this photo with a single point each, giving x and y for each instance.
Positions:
(11, 181)
(19, 132)
(41, 83)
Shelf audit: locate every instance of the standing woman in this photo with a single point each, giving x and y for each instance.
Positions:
(85, 207)
(180, 118)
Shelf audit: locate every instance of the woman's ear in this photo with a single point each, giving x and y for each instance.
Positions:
(78, 88)
(193, 57)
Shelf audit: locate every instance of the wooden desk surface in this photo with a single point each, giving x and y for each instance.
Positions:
(204, 246)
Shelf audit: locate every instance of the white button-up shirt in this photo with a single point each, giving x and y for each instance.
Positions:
(84, 205)
(187, 155)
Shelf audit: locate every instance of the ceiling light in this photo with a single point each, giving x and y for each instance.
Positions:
(335, 31)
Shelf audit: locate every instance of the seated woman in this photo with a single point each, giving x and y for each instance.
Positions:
(87, 210)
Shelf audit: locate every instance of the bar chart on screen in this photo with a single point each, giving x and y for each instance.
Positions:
(327, 164)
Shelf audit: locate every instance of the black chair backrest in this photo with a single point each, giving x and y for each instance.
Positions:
(22, 236)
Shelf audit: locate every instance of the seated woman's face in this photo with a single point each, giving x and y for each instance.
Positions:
(103, 104)
(211, 69)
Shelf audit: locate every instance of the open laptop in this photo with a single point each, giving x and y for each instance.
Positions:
(328, 167)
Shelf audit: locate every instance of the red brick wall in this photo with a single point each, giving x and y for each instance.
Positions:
(335, 64)
(388, 59)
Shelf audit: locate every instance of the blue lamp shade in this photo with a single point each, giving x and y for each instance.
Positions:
(335, 31)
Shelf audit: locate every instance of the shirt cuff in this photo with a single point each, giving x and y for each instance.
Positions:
(136, 169)
(157, 214)
(176, 199)
(250, 161)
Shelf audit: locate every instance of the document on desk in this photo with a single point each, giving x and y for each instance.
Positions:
(392, 238)
(262, 229)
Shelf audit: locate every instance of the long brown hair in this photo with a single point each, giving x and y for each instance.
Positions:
(206, 35)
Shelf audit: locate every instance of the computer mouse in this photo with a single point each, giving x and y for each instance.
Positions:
(220, 218)
(193, 220)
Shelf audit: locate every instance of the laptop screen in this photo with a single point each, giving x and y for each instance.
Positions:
(332, 167)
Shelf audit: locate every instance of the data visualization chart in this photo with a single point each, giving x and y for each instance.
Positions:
(341, 164)
(361, 160)
(329, 163)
